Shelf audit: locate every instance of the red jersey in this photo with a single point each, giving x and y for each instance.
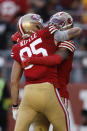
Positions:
(38, 44)
(64, 69)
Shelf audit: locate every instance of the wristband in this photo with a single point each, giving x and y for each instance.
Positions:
(15, 105)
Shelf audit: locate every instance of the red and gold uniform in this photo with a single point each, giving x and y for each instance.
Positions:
(39, 94)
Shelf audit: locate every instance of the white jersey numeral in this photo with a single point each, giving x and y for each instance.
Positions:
(32, 50)
(40, 50)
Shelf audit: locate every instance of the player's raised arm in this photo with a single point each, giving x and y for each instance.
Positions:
(74, 32)
(60, 36)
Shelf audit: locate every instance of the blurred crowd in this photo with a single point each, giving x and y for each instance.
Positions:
(11, 10)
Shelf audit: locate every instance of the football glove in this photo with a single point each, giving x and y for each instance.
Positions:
(14, 112)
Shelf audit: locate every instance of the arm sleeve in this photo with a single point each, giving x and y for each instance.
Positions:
(46, 60)
(60, 36)
(70, 45)
(15, 53)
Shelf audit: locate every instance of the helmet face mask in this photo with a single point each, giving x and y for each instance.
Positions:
(62, 20)
(29, 24)
(59, 23)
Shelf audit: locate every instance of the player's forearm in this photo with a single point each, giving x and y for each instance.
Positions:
(61, 36)
(74, 32)
(14, 93)
(15, 78)
(46, 60)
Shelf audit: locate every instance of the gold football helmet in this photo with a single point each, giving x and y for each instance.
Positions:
(62, 20)
(29, 24)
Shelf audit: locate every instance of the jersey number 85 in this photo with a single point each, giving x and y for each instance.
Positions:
(32, 50)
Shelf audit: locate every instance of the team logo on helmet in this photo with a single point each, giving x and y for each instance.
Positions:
(35, 17)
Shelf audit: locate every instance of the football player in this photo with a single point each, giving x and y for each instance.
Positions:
(40, 122)
(37, 74)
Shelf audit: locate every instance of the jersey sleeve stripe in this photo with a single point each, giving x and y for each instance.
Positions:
(67, 48)
(67, 45)
(51, 26)
(73, 49)
(12, 55)
(70, 44)
(53, 31)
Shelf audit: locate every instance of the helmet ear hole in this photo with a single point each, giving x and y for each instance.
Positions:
(69, 21)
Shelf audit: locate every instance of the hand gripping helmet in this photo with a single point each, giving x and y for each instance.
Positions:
(62, 20)
(29, 24)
